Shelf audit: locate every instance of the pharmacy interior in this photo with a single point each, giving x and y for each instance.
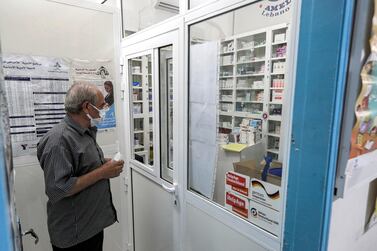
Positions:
(239, 103)
(218, 119)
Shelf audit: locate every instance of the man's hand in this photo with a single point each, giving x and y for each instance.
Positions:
(108, 170)
(111, 169)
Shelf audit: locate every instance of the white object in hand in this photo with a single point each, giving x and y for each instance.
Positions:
(117, 156)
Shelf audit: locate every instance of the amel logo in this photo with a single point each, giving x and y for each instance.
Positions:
(57, 66)
(274, 8)
(103, 72)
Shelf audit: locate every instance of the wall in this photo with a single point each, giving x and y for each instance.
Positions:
(349, 218)
(140, 14)
(46, 28)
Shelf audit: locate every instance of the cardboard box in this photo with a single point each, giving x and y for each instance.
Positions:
(251, 169)
(264, 217)
(237, 204)
(246, 180)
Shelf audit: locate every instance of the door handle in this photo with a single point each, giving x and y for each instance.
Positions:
(172, 190)
(33, 234)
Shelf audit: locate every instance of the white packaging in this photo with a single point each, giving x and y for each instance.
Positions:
(266, 194)
(136, 69)
(118, 156)
(277, 95)
(279, 38)
(264, 217)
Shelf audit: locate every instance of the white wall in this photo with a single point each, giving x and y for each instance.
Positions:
(140, 14)
(40, 27)
(349, 217)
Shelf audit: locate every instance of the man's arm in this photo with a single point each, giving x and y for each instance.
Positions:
(108, 170)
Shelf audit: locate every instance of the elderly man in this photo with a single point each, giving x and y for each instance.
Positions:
(77, 175)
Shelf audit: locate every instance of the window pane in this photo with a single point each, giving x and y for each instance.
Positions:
(237, 88)
(141, 109)
(140, 14)
(166, 111)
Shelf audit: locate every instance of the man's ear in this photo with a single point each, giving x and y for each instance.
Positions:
(85, 107)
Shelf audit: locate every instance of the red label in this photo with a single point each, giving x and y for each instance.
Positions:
(241, 190)
(235, 201)
(241, 211)
(235, 180)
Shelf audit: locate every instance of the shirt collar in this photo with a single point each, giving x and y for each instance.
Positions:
(75, 125)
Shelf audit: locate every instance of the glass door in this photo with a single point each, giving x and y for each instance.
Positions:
(152, 75)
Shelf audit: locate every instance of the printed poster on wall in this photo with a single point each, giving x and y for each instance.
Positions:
(35, 89)
(98, 73)
(363, 151)
(364, 133)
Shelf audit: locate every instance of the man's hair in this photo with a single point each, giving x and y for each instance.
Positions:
(78, 94)
(109, 83)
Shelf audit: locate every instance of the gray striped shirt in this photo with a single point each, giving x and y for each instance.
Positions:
(65, 153)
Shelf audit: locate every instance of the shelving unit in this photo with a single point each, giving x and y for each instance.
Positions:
(141, 107)
(251, 82)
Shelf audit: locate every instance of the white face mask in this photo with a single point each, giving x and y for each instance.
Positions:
(102, 114)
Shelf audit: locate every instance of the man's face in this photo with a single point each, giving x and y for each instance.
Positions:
(99, 105)
(108, 88)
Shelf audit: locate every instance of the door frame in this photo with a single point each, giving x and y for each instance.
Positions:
(168, 35)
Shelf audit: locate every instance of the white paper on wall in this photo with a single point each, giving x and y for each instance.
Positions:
(35, 88)
(98, 73)
(203, 109)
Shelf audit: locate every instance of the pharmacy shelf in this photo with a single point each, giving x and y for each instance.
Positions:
(251, 48)
(252, 61)
(275, 118)
(226, 53)
(250, 75)
(278, 43)
(249, 89)
(273, 135)
(264, 54)
(278, 58)
(252, 102)
(276, 151)
(137, 147)
(275, 103)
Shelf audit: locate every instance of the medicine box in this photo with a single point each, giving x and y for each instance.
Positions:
(280, 37)
(277, 95)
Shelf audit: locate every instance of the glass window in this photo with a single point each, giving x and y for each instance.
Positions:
(166, 111)
(141, 109)
(140, 14)
(237, 98)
